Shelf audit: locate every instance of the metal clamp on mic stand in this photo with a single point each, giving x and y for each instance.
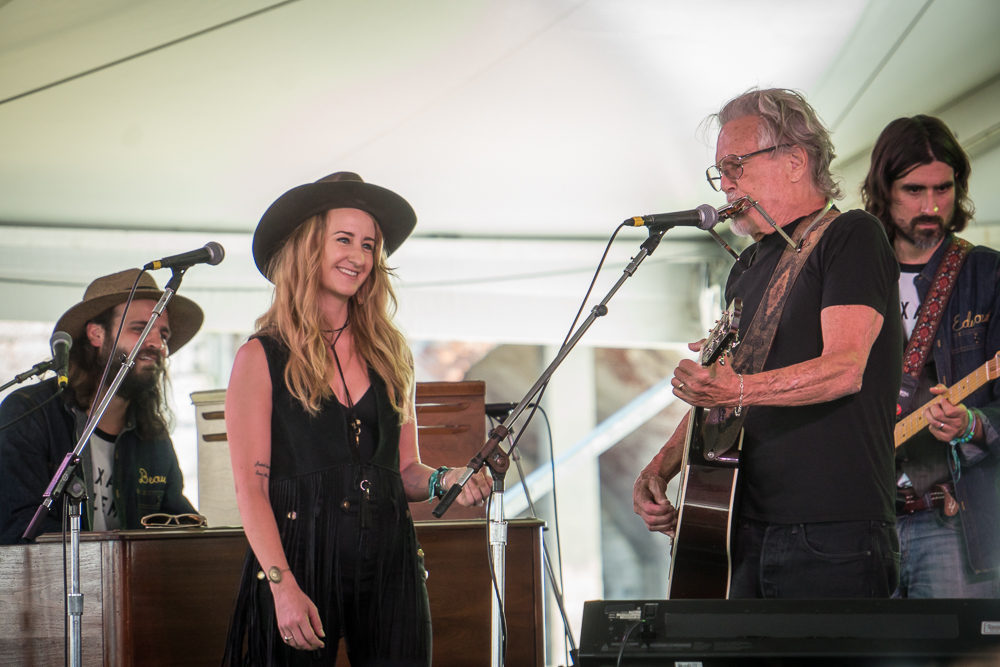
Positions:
(77, 494)
(40, 368)
(492, 454)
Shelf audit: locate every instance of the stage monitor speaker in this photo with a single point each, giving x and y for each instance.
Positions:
(707, 633)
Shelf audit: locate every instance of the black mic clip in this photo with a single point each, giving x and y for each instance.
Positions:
(499, 411)
(38, 369)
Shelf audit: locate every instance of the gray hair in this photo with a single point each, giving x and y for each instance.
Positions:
(786, 118)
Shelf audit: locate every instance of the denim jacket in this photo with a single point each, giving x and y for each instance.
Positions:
(966, 339)
(147, 477)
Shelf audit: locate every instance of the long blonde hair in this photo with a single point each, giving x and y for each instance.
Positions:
(295, 319)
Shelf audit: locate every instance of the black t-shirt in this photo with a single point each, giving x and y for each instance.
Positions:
(829, 461)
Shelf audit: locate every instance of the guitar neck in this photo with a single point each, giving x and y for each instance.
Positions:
(913, 423)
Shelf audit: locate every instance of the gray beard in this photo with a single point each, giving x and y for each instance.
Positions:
(740, 225)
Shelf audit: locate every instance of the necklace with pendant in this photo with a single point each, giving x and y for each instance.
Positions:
(352, 419)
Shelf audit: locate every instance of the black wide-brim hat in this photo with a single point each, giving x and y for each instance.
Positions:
(343, 189)
(185, 316)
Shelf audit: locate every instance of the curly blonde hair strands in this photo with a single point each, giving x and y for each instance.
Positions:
(294, 319)
(379, 342)
(786, 118)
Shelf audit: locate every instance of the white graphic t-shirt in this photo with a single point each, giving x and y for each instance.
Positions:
(102, 457)
(909, 300)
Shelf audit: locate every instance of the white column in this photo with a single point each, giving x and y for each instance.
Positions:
(570, 404)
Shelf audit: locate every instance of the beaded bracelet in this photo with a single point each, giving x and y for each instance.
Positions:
(434, 489)
(967, 436)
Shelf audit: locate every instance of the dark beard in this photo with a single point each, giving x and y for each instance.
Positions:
(924, 240)
(140, 386)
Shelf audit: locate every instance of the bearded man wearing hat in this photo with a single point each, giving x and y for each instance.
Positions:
(129, 467)
(322, 435)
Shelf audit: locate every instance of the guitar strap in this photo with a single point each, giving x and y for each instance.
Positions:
(752, 351)
(929, 318)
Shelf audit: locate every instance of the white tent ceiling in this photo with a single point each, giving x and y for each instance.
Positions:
(522, 131)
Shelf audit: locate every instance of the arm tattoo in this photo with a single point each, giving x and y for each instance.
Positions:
(262, 469)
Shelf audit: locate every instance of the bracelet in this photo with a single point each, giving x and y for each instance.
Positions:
(967, 436)
(273, 573)
(739, 406)
(434, 488)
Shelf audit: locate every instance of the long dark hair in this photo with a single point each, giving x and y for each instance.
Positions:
(907, 143)
(147, 408)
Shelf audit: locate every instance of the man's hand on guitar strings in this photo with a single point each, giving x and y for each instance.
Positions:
(649, 501)
(707, 386)
(947, 421)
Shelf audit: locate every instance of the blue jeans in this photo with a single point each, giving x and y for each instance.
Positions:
(933, 559)
(843, 559)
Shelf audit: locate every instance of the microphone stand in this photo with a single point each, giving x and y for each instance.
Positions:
(74, 599)
(553, 582)
(77, 494)
(498, 557)
(546, 560)
(492, 454)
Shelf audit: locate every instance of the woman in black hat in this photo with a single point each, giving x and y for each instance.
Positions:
(321, 430)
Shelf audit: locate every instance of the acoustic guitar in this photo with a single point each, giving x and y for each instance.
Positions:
(915, 422)
(699, 554)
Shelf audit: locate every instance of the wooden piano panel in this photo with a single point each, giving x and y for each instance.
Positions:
(156, 598)
(451, 428)
(32, 604)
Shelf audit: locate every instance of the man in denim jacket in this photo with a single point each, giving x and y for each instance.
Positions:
(948, 473)
(129, 468)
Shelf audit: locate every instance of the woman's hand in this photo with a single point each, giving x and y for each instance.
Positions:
(297, 616)
(475, 491)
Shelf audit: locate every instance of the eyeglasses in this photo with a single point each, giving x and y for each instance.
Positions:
(731, 166)
(170, 520)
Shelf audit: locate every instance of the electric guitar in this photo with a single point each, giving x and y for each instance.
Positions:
(699, 554)
(915, 422)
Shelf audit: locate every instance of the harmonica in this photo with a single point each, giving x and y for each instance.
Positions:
(735, 208)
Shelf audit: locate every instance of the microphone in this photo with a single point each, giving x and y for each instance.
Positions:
(60, 343)
(212, 253)
(703, 217)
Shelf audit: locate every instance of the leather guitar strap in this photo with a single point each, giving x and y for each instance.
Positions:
(752, 351)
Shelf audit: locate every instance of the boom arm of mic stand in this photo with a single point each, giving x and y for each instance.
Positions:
(72, 459)
(491, 453)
